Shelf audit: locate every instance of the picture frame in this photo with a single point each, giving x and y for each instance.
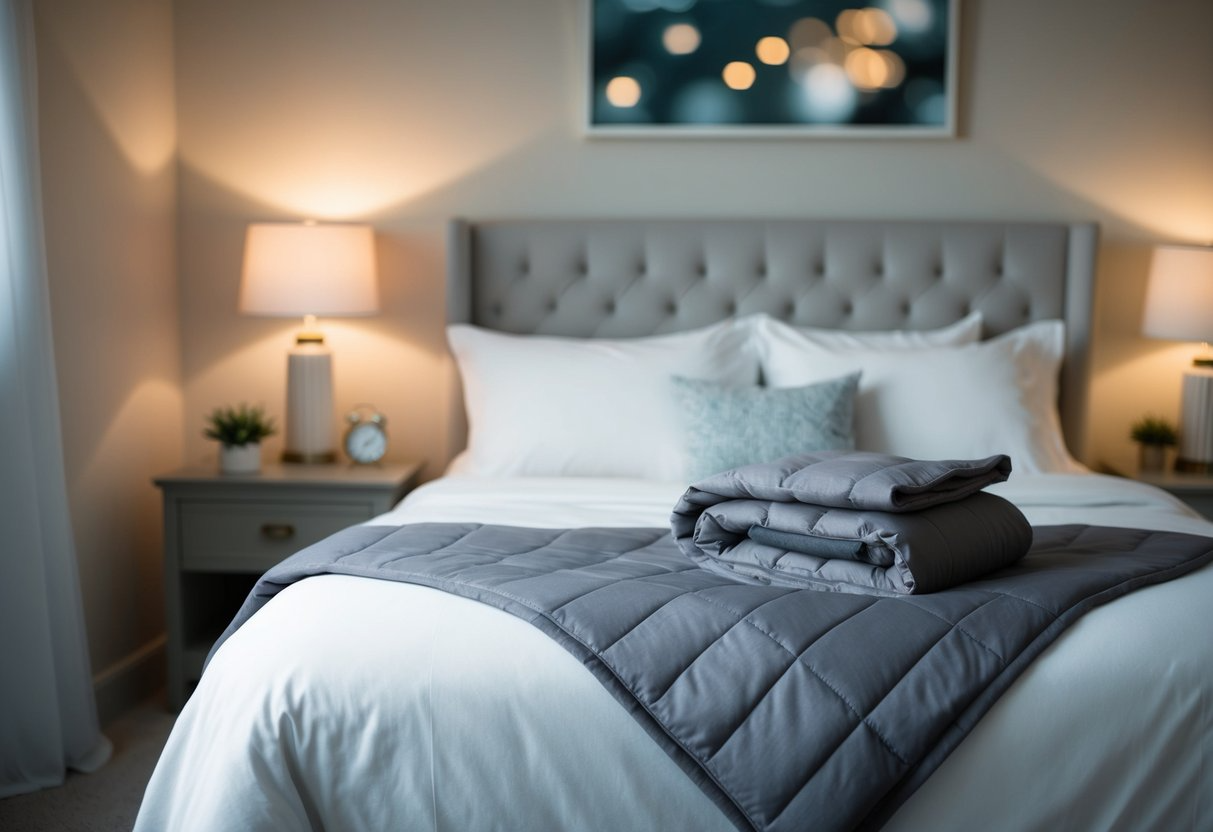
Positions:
(771, 68)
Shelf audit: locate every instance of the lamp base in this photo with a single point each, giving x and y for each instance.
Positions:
(309, 405)
(1196, 422)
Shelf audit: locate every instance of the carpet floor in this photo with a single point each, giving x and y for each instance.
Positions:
(108, 799)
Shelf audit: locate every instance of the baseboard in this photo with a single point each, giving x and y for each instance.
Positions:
(130, 680)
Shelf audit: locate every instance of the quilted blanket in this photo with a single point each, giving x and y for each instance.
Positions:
(791, 708)
(853, 522)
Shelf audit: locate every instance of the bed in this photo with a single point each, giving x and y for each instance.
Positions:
(353, 703)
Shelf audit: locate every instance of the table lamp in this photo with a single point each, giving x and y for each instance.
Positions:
(306, 270)
(1179, 307)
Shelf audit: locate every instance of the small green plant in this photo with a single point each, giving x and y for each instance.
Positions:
(239, 425)
(1151, 430)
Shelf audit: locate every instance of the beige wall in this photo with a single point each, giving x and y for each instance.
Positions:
(108, 140)
(405, 113)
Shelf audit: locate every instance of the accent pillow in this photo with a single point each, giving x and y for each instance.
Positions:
(590, 407)
(965, 331)
(967, 402)
(731, 426)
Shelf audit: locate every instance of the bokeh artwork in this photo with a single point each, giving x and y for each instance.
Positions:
(755, 67)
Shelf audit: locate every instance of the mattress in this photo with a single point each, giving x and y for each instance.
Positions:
(468, 718)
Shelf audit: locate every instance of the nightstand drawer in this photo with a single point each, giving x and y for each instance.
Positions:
(224, 536)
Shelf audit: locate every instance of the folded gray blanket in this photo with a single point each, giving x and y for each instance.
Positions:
(853, 522)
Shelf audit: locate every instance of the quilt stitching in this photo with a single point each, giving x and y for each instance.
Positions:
(1012, 596)
(900, 757)
(491, 561)
(947, 542)
(604, 581)
(861, 718)
(363, 547)
(545, 545)
(648, 580)
(518, 599)
(796, 658)
(603, 650)
(737, 619)
(439, 550)
(639, 579)
(601, 581)
(956, 625)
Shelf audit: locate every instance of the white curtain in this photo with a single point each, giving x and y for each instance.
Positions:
(48, 715)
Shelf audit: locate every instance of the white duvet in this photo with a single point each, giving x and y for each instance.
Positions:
(466, 718)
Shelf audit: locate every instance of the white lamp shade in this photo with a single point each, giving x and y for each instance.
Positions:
(1179, 297)
(296, 269)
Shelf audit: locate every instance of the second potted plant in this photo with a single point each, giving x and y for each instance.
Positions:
(240, 431)
(1154, 435)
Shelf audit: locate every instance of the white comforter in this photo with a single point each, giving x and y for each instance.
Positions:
(466, 718)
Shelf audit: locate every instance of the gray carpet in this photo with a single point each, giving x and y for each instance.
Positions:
(108, 800)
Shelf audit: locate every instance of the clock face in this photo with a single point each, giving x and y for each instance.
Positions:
(366, 442)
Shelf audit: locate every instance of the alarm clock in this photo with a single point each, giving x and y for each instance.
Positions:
(366, 437)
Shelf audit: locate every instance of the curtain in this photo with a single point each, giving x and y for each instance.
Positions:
(48, 714)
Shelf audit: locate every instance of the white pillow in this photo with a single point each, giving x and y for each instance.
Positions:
(965, 331)
(591, 407)
(967, 402)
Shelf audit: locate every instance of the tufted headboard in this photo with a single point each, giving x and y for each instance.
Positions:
(622, 278)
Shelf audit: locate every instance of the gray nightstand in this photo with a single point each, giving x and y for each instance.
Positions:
(1194, 489)
(223, 531)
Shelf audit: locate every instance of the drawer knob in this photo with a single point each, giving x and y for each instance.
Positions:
(278, 531)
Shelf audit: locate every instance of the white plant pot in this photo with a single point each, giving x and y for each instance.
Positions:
(1153, 458)
(240, 459)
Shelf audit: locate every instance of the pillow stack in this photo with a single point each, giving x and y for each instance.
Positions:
(681, 406)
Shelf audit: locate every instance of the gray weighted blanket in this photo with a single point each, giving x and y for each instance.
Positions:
(791, 708)
(853, 522)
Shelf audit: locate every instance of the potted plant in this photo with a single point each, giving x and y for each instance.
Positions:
(240, 431)
(1154, 435)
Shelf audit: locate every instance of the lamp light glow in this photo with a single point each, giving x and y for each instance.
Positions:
(297, 269)
(1179, 296)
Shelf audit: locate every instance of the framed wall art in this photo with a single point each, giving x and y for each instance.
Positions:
(799, 68)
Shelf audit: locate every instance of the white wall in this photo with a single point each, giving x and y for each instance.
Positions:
(107, 141)
(406, 113)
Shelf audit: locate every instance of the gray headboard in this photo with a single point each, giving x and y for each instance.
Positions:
(620, 278)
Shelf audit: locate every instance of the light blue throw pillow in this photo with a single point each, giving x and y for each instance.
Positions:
(731, 426)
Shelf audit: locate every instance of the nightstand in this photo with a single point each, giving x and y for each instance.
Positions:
(1194, 489)
(221, 532)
